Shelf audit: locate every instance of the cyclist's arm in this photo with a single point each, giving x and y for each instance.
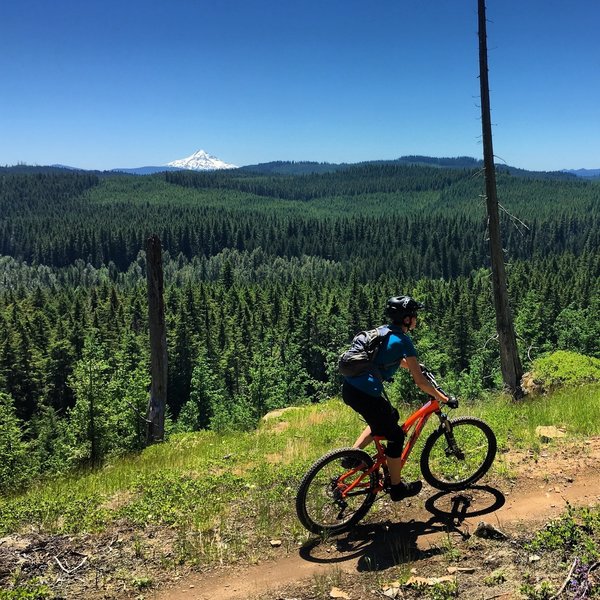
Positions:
(420, 380)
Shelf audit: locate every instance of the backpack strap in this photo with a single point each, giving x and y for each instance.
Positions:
(384, 332)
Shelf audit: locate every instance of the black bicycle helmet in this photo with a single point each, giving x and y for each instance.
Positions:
(399, 307)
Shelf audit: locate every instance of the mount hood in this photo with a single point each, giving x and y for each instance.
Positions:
(201, 161)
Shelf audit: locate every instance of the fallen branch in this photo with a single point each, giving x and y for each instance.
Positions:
(70, 571)
(564, 585)
(498, 595)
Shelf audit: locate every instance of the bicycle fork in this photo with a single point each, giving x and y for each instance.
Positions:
(452, 449)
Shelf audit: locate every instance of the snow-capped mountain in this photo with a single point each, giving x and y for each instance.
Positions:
(201, 161)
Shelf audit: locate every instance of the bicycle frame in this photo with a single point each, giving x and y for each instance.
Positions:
(415, 422)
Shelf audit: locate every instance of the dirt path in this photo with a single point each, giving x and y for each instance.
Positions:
(541, 489)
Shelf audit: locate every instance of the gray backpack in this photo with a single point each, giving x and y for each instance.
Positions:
(359, 359)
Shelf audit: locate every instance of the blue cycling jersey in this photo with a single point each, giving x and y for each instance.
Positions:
(398, 345)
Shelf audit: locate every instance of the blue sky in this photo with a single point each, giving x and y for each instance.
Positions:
(124, 84)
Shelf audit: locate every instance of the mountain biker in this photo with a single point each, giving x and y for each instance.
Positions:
(364, 393)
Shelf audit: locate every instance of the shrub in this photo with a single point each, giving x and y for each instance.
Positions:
(565, 368)
(31, 590)
(575, 532)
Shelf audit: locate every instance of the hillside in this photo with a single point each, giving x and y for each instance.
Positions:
(212, 515)
(267, 278)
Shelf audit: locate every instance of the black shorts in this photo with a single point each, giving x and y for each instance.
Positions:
(379, 414)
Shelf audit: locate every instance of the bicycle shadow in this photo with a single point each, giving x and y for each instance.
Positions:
(379, 546)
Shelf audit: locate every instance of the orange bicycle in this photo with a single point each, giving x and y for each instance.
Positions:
(333, 497)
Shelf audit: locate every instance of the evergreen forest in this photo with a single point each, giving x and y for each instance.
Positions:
(268, 275)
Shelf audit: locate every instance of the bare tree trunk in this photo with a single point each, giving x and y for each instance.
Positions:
(509, 355)
(94, 454)
(155, 415)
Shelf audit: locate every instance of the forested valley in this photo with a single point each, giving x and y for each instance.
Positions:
(267, 279)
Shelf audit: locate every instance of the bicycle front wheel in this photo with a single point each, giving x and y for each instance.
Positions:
(336, 492)
(455, 458)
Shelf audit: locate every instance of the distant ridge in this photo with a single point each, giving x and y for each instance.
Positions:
(145, 170)
(309, 167)
(459, 162)
(23, 169)
(291, 167)
(587, 173)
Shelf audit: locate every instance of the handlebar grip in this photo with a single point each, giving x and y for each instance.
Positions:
(452, 402)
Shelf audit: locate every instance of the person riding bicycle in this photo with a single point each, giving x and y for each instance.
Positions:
(365, 394)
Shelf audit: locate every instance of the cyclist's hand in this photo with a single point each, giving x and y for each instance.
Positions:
(452, 402)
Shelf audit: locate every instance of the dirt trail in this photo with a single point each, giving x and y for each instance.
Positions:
(541, 489)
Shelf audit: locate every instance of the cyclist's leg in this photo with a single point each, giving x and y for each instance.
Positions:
(382, 419)
(364, 439)
(391, 429)
(399, 489)
(395, 435)
(395, 469)
(361, 403)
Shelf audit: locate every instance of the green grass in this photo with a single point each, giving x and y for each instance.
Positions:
(576, 409)
(223, 492)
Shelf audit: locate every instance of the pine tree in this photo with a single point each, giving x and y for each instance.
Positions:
(57, 371)
(89, 419)
(206, 397)
(15, 468)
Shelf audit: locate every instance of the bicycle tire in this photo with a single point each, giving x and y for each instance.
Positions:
(318, 504)
(446, 471)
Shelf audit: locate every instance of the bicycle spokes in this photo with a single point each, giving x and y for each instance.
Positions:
(454, 462)
(458, 454)
(333, 496)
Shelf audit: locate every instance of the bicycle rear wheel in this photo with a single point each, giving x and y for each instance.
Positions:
(324, 504)
(455, 459)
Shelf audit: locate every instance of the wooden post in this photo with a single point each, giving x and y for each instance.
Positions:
(509, 356)
(155, 415)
